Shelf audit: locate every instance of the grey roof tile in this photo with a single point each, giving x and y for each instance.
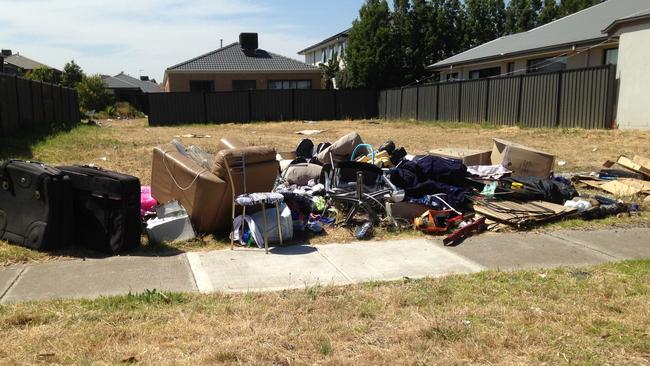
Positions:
(24, 63)
(581, 27)
(124, 81)
(232, 58)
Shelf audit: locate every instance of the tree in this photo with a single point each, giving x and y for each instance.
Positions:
(549, 12)
(449, 26)
(93, 94)
(420, 43)
(485, 21)
(368, 53)
(521, 15)
(329, 70)
(40, 74)
(571, 6)
(72, 74)
(401, 57)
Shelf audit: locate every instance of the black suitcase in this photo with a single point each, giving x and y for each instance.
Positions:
(35, 205)
(106, 208)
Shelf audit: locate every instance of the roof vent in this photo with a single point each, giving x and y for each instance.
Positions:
(144, 78)
(6, 53)
(248, 43)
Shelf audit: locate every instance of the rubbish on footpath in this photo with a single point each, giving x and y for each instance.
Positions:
(262, 195)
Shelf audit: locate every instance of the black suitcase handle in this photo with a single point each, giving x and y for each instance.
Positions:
(5, 182)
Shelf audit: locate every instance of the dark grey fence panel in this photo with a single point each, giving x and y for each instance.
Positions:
(25, 106)
(224, 107)
(573, 98)
(539, 105)
(503, 100)
(73, 106)
(271, 105)
(427, 103)
(583, 98)
(65, 105)
(24, 96)
(314, 104)
(356, 104)
(176, 108)
(394, 104)
(261, 105)
(56, 99)
(473, 100)
(410, 103)
(382, 103)
(48, 103)
(448, 101)
(37, 99)
(9, 114)
(77, 111)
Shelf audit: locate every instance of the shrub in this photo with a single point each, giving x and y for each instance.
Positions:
(93, 94)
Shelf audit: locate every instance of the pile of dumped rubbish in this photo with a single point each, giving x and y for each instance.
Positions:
(349, 183)
(261, 196)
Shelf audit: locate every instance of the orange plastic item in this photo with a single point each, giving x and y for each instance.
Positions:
(435, 221)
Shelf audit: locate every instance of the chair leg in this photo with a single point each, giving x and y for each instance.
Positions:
(243, 222)
(232, 235)
(277, 215)
(266, 236)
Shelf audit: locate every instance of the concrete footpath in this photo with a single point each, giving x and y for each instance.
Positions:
(244, 270)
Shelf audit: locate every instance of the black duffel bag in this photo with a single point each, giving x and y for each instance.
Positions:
(106, 208)
(35, 205)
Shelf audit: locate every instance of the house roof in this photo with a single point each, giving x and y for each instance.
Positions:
(343, 34)
(640, 15)
(582, 27)
(232, 58)
(24, 63)
(124, 81)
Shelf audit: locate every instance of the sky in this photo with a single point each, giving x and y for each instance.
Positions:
(144, 37)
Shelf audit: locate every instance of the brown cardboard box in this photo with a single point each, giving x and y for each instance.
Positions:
(406, 210)
(522, 160)
(468, 156)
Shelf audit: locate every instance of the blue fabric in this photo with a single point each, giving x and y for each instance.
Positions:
(431, 175)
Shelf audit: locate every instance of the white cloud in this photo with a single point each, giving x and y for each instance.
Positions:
(131, 35)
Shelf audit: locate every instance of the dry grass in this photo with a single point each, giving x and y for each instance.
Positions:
(126, 146)
(596, 315)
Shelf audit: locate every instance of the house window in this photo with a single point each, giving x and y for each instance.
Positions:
(324, 55)
(289, 84)
(201, 85)
(611, 56)
(484, 73)
(510, 68)
(548, 64)
(453, 76)
(244, 84)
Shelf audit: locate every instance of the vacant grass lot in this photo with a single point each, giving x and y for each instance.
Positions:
(588, 316)
(126, 146)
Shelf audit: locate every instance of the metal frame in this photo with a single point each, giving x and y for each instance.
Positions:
(241, 170)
